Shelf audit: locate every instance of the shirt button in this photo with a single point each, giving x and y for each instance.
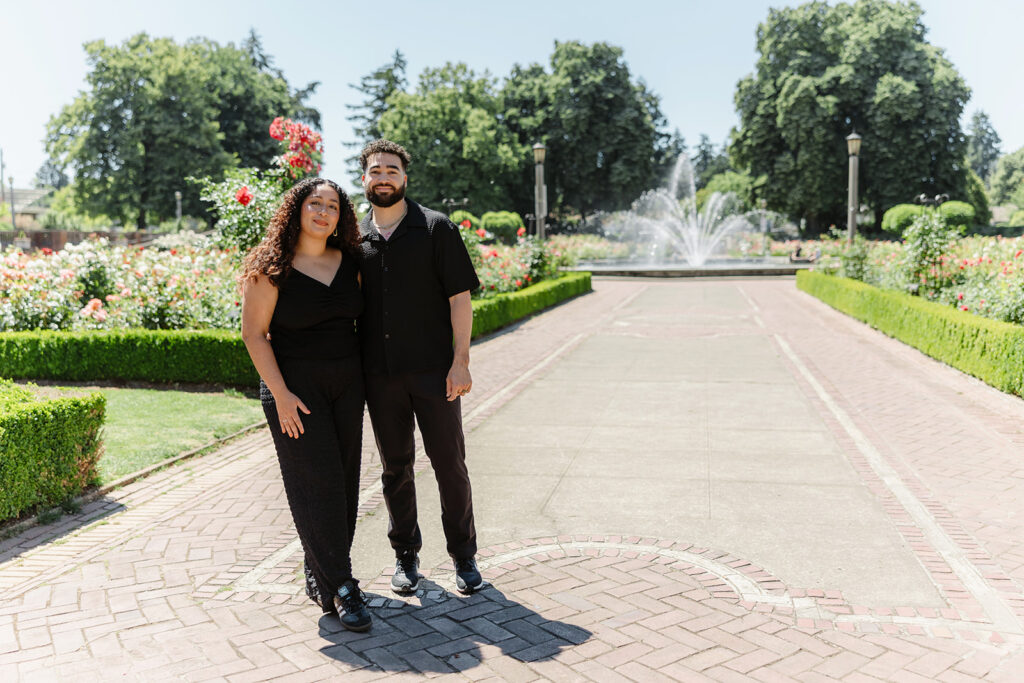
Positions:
(387, 336)
(385, 269)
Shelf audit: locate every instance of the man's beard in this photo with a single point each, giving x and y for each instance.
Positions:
(396, 195)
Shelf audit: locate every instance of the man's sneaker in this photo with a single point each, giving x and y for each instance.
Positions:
(467, 576)
(351, 604)
(407, 576)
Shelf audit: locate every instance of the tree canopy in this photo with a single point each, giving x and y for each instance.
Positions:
(982, 145)
(1008, 180)
(155, 112)
(459, 148)
(825, 71)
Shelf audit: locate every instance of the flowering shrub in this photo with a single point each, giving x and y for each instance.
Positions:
(244, 202)
(247, 197)
(93, 285)
(981, 275)
(303, 148)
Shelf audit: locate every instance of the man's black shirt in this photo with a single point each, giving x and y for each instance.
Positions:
(406, 323)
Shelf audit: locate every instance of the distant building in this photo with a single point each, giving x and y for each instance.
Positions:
(28, 207)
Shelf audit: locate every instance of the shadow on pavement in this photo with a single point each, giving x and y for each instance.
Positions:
(446, 633)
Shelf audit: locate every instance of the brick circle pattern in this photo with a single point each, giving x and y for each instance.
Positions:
(588, 606)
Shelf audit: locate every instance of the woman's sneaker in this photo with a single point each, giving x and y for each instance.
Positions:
(407, 576)
(467, 576)
(351, 604)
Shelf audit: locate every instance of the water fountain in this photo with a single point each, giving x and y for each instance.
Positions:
(674, 238)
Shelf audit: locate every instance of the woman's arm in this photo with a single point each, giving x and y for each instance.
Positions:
(258, 301)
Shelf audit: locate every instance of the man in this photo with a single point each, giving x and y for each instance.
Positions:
(416, 276)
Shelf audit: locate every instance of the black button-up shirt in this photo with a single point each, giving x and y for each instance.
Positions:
(406, 324)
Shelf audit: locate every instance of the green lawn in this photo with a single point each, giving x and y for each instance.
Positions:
(144, 426)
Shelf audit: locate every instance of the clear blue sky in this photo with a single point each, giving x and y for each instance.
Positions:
(689, 52)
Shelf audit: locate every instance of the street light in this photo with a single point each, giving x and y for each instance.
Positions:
(853, 147)
(177, 209)
(540, 190)
(10, 181)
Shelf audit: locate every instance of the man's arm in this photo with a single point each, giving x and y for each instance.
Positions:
(459, 381)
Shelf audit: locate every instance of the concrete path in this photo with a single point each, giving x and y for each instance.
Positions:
(690, 480)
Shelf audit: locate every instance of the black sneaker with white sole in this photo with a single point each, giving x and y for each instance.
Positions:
(351, 605)
(407, 576)
(467, 576)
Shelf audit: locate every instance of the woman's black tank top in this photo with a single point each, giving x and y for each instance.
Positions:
(314, 320)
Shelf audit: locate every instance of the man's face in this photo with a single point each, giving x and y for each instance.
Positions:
(384, 180)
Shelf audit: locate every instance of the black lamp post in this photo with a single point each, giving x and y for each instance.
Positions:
(540, 191)
(853, 147)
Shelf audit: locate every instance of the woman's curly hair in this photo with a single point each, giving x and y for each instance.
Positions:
(273, 256)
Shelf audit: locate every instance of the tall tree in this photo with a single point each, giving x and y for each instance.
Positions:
(377, 87)
(145, 123)
(982, 145)
(1008, 180)
(605, 133)
(824, 71)
(156, 112)
(51, 174)
(708, 161)
(459, 149)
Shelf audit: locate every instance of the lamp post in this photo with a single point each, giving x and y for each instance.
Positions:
(763, 203)
(10, 182)
(853, 147)
(540, 191)
(177, 209)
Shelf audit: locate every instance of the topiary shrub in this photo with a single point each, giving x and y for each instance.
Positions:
(957, 214)
(48, 448)
(898, 218)
(459, 216)
(503, 224)
(1016, 219)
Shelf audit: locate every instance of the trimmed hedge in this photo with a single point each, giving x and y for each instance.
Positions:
(991, 350)
(490, 314)
(165, 356)
(48, 448)
(210, 356)
(899, 217)
(503, 224)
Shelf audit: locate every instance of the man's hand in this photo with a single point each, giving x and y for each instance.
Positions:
(459, 382)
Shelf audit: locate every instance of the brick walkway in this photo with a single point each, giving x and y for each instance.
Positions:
(191, 574)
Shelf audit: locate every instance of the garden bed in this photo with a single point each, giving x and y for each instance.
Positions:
(991, 350)
(210, 356)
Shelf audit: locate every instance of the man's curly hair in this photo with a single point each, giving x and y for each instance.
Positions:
(384, 147)
(273, 256)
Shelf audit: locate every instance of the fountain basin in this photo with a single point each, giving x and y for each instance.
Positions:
(712, 268)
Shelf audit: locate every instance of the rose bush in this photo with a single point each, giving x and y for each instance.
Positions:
(93, 285)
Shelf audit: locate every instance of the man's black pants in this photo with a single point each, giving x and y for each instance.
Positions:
(393, 402)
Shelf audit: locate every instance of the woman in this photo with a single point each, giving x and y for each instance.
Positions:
(300, 286)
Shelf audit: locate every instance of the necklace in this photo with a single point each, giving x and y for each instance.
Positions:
(389, 226)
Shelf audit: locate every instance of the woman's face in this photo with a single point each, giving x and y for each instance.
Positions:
(320, 212)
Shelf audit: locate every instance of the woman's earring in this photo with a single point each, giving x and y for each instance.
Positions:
(335, 230)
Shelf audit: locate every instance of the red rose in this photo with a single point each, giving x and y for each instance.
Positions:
(520, 232)
(466, 224)
(244, 196)
(481, 232)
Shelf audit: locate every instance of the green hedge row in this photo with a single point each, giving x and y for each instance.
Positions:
(209, 356)
(48, 448)
(490, 314)
(194, 356)
(991, 350)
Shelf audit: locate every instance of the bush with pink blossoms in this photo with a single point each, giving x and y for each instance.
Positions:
(96, 286)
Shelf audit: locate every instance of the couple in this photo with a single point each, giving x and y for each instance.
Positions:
(405, 274)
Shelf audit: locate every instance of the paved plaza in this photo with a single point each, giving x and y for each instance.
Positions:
(715, 479)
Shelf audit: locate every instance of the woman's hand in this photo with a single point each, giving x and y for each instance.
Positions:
(288, 407)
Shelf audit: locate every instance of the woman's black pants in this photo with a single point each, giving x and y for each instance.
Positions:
(320, 469)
